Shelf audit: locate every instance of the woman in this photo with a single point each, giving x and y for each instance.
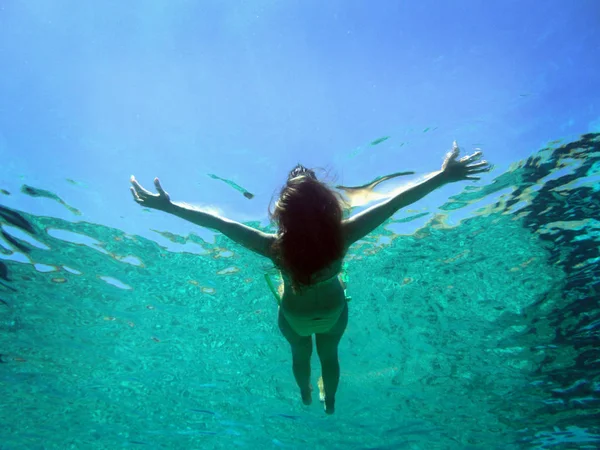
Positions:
(309, 248)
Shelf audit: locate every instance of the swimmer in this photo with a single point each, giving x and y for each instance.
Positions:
(309, 248)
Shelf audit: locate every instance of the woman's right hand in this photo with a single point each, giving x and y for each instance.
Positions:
(455, 169)
(160, 201)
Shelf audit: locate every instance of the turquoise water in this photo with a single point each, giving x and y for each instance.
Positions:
(465, 334)
(474, 318)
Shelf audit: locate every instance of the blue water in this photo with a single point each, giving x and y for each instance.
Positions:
(474, 319)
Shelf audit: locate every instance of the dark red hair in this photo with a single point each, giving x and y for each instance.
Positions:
(309, 214)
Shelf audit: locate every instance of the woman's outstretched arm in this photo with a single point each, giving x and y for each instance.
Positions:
(252, 239)
(453, 169)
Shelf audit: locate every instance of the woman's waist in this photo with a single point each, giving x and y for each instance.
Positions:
(321, 293)
(310, 308)
(308, 317)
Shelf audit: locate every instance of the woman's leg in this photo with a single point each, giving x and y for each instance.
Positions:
(327, 349)
(301, 353)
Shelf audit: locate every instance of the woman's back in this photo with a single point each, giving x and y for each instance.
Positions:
(316, 307)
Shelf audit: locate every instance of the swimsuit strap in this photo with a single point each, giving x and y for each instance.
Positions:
(272, 288)
(345, 280)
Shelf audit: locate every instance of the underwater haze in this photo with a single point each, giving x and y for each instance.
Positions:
(475, 313)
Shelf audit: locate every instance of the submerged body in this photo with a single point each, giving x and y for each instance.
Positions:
(311, 244)
(320, 308)
(317, 307)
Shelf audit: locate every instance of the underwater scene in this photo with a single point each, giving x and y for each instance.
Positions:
(483, 334)
(474, 314)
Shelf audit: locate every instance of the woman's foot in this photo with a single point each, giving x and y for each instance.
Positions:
(306, 395)
(329, 404)
(321, 389)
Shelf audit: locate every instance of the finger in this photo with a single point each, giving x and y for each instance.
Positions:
(472, 178)
(455, 150)
(478, 165)
(471, 158)
(138, 188)
(136, 197)
(475, 156)
(159, 188)
(483, 170)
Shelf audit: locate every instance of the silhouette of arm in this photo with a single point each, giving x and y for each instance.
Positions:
(249, 237)
(453, 169)
(361, 224)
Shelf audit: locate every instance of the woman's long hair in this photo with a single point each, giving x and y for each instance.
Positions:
(309, 215)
